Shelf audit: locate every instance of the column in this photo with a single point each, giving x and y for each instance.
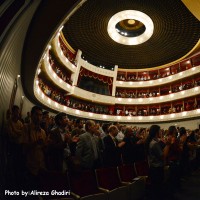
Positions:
(76, 74)
(114, 80)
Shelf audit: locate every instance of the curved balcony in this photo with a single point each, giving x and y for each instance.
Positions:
(131, 84)
(160, 99)
(161, 81)
(98, 70)
(98, 98)
(54, 77)
(127, 119)
(112, 100)
(66, 62)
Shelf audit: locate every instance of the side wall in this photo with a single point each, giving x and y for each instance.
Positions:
(10, 58)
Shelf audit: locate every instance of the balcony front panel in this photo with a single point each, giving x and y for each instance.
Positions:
(161, 81)
(126, 119)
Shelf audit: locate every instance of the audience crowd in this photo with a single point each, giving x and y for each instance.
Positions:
(129, 93)
(65, 75)
(125, 110)
(152, 75)
(68, 54)
(41, 142)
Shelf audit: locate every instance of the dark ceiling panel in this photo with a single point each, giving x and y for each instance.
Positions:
(45, 22)
(176, 31)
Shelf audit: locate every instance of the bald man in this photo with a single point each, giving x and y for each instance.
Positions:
(112, 151)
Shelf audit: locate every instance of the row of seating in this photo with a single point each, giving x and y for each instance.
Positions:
(122, 182)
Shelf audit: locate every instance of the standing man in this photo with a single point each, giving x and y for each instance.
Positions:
(45, 122)
(120, 134)
(87, 148)
(173, 159)
(128, 150)
(35, 144)
(14, 129)
(76, 132)
(156, 157)
(78, 128)
(59, 139)
(15, 136)
(112, 148)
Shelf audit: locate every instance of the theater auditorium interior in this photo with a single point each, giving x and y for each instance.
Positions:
(100, 99)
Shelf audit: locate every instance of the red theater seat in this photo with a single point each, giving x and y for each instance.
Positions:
(108, 178)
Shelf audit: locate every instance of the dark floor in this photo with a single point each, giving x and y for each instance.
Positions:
(190, 188)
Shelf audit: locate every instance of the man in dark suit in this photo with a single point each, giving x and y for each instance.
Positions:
(59, 139)
(112, 151)
(87, 147)
(76, 132)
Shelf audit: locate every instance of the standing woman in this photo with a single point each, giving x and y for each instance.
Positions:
(156, 155)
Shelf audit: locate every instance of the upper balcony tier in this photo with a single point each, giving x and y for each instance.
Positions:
(83, 94)
(132, 78)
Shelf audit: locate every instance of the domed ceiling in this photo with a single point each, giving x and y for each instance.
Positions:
(176, 32)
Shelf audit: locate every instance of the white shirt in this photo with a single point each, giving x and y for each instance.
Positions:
(120, 136)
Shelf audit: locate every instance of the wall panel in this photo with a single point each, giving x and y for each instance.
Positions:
(10, 58)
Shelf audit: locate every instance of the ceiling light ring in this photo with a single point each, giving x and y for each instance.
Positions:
(130, 14)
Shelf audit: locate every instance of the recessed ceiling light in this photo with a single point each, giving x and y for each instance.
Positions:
(131, 21)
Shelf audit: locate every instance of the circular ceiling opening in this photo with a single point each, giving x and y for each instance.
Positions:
(130, 27)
